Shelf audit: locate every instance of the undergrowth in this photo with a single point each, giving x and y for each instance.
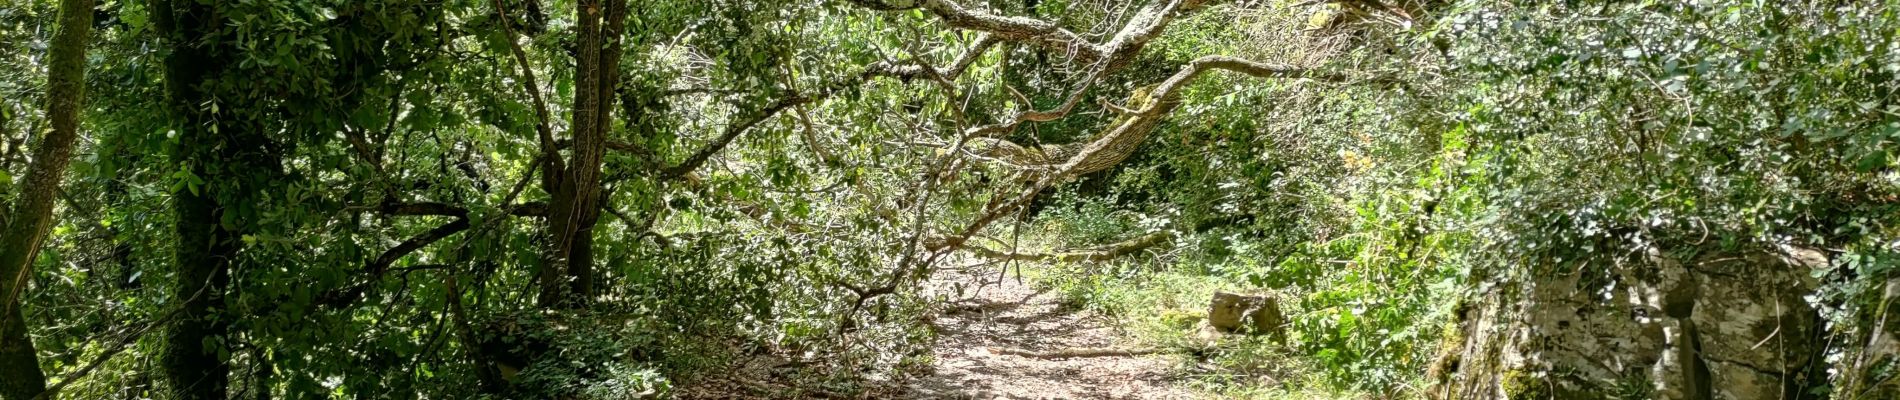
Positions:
(1164, 308)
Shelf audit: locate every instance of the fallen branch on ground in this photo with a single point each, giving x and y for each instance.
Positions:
(1075, 353)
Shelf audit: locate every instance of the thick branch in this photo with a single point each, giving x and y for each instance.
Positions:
(423, 208)
(1019, 29)
(1110, 57)
(361, 146)
(380, 266)
(616, 145)
(957, 65)
(1166, 97)
(747, 121)
(389, 257)
(1145, 25)
(550, 157)
(732, 132)
(427, 208)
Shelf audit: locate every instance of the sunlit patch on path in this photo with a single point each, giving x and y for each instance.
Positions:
(1008, 340)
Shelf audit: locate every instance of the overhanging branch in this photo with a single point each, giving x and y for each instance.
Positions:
(1145, 25)
(1166, 97)
(1108, 57)
(550, 157)
(380, 266)
(376, 269)
(748, 120)
(430, 208)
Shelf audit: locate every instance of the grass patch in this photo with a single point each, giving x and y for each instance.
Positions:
(1166, 309)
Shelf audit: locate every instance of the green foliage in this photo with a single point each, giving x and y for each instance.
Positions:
(1686, 130)
(1469, 145)
(1624, 125)
(1079, 222)
(579, 356)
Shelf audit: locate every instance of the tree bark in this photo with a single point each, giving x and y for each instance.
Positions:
(206, 247)
(567, 277)
(204, 253)
(20, 375)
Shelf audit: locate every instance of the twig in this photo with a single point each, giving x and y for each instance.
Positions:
(124, 342)
(1075, 353)
(549, 154)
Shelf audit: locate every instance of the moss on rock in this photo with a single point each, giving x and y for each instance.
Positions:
(1521, 385)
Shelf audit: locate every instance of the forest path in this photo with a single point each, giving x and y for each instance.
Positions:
(1011, 315)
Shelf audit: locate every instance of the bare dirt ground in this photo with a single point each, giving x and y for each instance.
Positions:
(1000, 340)
(980, 329)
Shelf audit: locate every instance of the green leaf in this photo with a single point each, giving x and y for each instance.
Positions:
(1873, 161)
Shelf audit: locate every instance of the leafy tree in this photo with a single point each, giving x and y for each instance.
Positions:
(605, 198)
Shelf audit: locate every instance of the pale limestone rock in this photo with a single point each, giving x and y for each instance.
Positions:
(1726, 325)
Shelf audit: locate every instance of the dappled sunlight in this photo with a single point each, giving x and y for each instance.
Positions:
(949, 199)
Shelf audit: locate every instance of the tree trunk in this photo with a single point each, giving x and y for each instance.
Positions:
(20, 375)
(567, 278)
(206, 246)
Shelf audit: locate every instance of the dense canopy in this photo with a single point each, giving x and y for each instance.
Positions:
(608, 199)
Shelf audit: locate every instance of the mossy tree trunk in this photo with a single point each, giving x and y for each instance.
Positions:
(20, 375)
(216, 149)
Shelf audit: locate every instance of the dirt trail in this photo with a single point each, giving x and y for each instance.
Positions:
(982, 335)
(1012, 315)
